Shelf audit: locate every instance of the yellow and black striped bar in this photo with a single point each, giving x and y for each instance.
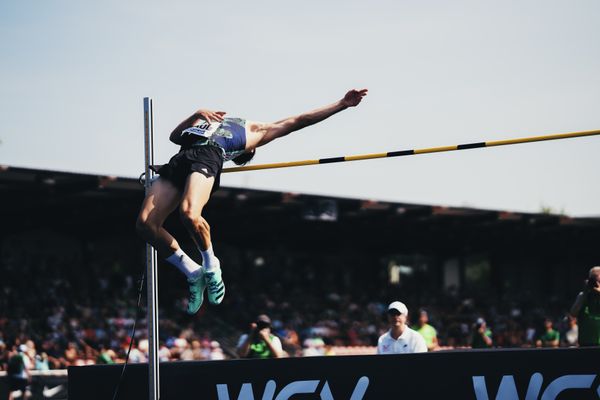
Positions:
(414, 152)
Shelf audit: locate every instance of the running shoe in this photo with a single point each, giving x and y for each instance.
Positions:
(216, 287)
(197, 286)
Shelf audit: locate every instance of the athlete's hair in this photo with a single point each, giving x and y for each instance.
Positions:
(244, 158)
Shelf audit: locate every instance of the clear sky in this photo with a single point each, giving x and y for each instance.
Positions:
(73, 75)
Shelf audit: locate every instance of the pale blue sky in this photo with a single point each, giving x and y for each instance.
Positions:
(73, 75)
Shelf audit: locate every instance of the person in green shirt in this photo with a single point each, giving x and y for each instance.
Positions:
(259, 342)
(427, 331)
(587, 310)
(550, 337)
(105, 356)
(482, 335)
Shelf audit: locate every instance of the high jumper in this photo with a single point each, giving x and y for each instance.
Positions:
(208, 139)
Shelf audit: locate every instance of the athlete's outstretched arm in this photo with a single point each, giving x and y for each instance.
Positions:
(205, 115)
(269, 132)
(350, 99)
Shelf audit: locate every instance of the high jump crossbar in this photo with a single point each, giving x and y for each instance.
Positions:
(400, 153)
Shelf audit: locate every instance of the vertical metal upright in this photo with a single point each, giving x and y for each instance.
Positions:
(151, 264)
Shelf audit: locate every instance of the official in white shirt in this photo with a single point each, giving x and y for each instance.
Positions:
(400, 338)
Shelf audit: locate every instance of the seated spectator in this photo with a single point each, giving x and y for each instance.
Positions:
(427, 331)
(549, 337)
(3, 356)
(105, 356)
(216, 352)
(482, 335)
(314, 347)
(569, 338)
(41, 362)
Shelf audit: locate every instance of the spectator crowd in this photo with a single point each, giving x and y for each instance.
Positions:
(61, 308)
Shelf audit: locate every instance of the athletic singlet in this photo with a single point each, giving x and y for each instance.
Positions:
(228, 135)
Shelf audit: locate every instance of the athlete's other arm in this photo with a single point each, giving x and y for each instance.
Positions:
(269, 132)
(192, 120)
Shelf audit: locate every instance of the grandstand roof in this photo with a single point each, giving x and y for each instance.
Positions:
(33, 198)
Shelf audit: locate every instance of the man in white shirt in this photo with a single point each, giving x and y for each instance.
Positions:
(400, 338)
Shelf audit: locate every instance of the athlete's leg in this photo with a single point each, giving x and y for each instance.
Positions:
(158, 204)
(195, 196)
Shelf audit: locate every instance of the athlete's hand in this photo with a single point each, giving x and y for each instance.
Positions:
(354, 97)
(211, 116)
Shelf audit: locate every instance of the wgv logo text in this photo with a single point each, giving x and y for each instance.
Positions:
(508, 389)
(297, 387)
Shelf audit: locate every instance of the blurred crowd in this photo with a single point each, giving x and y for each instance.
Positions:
(60, 308)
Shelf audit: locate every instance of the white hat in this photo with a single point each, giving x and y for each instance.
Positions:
(398, 306)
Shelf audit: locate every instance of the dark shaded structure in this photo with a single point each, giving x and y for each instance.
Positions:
(434, 247)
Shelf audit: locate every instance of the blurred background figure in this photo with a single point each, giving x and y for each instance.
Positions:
(216, 352)
(290, 340)
(3, 354)
(259, 342)
(587, 310)
(42, 362)
(482, 335)
(550, 336)
(569, 338)
(105, 356)
(138, 353)
(427, 331)
(18, 373)
(314, 347)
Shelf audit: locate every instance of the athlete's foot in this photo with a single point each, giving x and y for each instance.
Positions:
(214, 281)
(197, 284)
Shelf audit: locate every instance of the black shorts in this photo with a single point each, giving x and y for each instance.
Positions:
(15, 383)
(207, 160)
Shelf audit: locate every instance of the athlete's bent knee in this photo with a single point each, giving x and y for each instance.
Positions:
(194, 221)
(145, 228)
(188, 217)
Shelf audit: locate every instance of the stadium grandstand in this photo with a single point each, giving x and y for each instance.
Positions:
(71, 263)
